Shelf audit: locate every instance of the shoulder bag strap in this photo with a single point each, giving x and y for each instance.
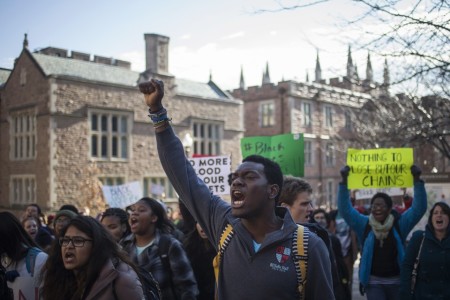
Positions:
(416, 265)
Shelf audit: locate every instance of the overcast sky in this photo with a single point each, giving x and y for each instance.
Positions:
(205, 36)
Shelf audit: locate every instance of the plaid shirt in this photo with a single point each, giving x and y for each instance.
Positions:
(176, 283)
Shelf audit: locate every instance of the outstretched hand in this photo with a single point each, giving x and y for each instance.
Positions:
(416, 172)
(153, 91)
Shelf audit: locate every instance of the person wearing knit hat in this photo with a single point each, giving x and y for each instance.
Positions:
(62, 218)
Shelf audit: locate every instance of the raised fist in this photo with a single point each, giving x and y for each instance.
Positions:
(416, 172)
(153, 91)
(345, 171)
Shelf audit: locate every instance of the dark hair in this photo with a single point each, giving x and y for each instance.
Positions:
(387, 199)
(163, 223)
(272, 171)
(70, 207)
(292, 186)
(445, 208)
(121, 214)
(322, 211)
(38, 208)
(60, 283)
(14, 240)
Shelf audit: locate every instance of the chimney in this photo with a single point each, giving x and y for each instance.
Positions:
(157, 53)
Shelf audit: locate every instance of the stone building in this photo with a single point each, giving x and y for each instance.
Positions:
(322, 110)
(68, 121)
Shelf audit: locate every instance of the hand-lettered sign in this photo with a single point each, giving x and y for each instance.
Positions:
(285, 149)
(380, 168)
(214, 171)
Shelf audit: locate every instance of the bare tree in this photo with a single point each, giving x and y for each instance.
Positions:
(414, 36)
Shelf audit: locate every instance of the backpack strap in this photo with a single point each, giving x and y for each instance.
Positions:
(30, 259)
(225, 238)
(300, 248)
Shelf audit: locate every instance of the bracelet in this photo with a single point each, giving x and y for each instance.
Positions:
(162, 123)
(158, 118)
(157, 113)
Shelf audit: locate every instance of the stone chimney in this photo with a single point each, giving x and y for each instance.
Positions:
(157, 53)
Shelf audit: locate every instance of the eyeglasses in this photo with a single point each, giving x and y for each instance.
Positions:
(77, 241)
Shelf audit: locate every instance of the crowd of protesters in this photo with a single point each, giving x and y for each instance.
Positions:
(229, 250)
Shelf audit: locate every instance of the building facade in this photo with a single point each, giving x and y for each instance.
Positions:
(69, 122)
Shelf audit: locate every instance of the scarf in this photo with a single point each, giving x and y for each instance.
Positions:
(381, 231)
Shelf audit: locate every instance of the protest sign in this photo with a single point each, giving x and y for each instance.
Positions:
(285, 149)
(122, 195)
(369, 193)
(214, 171)
(380, 168)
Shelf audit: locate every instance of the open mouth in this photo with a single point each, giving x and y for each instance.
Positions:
(439, 222)
(69, 257)
(133, 222)
(237, 199)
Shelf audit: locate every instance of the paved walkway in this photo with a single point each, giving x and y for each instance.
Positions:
(355, 287)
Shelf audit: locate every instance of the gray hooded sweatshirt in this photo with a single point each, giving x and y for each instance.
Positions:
(267, 274)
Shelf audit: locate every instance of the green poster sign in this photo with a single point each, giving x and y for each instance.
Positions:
(285, 149)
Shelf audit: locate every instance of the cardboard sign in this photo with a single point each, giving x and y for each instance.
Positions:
(122, 195)
(286, 150)
(380, 168)
(214, 171)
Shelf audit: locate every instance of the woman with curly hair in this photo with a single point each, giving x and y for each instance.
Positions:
(153, 247)
(86, 263)
(115, 220)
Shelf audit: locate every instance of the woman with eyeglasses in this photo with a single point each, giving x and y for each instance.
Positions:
(382, 235)
(86, 263)
(21, 258)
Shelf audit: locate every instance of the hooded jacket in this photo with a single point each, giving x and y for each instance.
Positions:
(268, 273)
(120, 282)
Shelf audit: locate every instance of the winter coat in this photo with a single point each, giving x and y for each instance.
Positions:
(433, 273)
(120, 283)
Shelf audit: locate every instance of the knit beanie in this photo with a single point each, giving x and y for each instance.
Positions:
(65, 212)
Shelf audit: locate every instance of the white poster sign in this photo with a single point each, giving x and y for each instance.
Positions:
(214, 171)
(122, 195)
(24, 288)
(368, 193)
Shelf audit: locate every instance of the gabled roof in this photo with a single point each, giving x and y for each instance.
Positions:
(53, 65)
(4, 74)
(58, 66)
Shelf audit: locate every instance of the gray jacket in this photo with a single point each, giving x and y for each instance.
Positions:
(245, 274)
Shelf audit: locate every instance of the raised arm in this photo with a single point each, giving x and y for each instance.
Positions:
(352, 217)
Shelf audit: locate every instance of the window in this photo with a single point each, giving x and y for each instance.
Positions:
(23, 136)
(329, 155)
(328, 116)
(267, 114)
(306, 112)
(159, 187)
(110, 180)
(110, 135)
(348, 120)
(207, 137)
(308, 153)
(23, 189)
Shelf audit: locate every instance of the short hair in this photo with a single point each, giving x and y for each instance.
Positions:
(387, 199)
(292, 186)
(445, 208)
(37, 207)
(322, 211)
(272, 170)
